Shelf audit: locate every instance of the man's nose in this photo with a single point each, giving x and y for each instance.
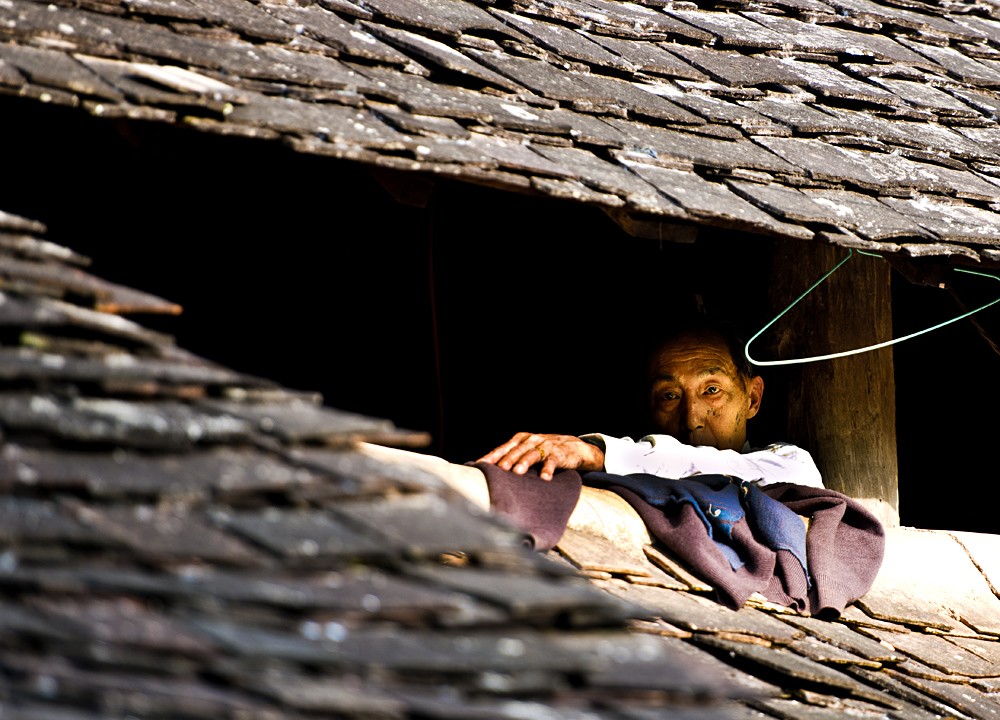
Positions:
(694, 412)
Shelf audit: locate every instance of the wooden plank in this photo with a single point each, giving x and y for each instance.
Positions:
(714, 201)
(590, 552)
(167, 534)
(840, 635)
(121, 371)
(437, 53)
(295, 420)
(42, 312)
(447, 17)
(342, 37)
(701, 615)
(676, 569)
(536, 598)
(828, 654)
(843, 410)
(962, 697)
(802, 670)
(425, 525)
(308, 538)
(31, 247)
(55, 69)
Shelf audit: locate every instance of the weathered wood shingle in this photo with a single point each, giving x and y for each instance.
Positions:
(357, 82)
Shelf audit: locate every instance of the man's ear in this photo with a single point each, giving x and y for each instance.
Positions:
(755, 391)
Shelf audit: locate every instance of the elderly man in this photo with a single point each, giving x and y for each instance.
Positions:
(746, 521)
(701, 395)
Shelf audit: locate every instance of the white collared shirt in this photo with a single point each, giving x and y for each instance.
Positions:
(666, 456)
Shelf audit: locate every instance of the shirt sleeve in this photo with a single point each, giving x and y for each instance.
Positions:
(668, 457)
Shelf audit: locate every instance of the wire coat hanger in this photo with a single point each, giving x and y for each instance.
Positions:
(856, 351)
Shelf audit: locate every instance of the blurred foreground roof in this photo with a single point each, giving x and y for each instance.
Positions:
(179, 540)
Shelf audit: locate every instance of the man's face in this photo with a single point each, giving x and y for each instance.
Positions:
(698, 396)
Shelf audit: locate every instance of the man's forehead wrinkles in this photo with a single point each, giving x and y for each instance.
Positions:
(673, 367)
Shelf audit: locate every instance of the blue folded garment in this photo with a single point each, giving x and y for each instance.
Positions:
(720, 501)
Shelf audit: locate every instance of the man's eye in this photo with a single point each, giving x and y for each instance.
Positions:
(713, 390)
(668, 395)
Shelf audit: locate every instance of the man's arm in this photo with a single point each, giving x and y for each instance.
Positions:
(553, 452)
(666, 456)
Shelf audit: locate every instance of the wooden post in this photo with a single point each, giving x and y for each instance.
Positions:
(842, 410)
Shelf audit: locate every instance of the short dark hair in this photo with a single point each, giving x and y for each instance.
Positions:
(701, 325)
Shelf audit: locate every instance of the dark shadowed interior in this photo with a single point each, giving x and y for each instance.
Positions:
(481, 314)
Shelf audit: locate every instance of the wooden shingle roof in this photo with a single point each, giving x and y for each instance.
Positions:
(178, 539)
(865, 124)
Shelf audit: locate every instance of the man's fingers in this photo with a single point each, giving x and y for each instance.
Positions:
(549, 452)
(531, 454)
(548, 468)
(501, 451)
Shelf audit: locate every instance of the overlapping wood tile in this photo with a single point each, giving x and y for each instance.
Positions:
(962, 697)
(839, 635)
(810, 673)
(152, 85)
(861, 213)
(827, 654)
(534, 598)
(42, 522)
(708, 616)
(616, 178)
(296, 419)
(163, 425)
(927, 97)
(119, 370)
(956, 65)
(957, 223)
(822, 38)
(703, 199)
(734, 29)
(124, 694)
(445, 16)
(940, 653)
(630, 20)
(665, 145)
(737, 69)
(549, 68)
(437, 53)
(650, 58)
(423, 525)
(306, 537)
(55, 69)
(167, 534)
(123, 474)
(914, 701)
(676, 569)
(40, 313)
(568, 43)
(729, 113)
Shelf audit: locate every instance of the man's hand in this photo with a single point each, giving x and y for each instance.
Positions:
(554, 452)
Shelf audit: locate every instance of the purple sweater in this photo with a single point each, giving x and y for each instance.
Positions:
(845, 543)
